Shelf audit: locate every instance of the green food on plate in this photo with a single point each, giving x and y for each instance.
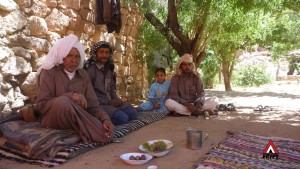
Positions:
(157, 146)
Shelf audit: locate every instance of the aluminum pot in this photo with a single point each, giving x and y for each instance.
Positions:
(195, 139)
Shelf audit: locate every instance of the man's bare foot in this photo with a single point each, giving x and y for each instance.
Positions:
(72, 139)
(206, 115)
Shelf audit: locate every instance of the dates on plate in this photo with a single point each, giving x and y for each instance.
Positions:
(142, 157)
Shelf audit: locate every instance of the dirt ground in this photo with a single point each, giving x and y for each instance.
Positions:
(282, 121)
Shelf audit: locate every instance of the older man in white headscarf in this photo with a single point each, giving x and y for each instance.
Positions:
(66, 97)
(186, 92)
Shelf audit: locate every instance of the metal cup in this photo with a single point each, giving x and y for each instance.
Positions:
(195, 139)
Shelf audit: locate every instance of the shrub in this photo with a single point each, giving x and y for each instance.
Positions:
(209, 69)
(252, 75)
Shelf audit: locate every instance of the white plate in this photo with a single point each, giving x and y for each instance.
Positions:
(125, 158)
(161, 153)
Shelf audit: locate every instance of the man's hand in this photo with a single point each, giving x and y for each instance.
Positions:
(115, 103)
(108, 127)
(80, 100)
(190, 107)
(27, 113)
(120, 102)
(198, 106)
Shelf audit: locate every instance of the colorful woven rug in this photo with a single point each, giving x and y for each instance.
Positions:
(243, 150)
(62, 156)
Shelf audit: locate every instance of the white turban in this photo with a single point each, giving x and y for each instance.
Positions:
(60, 50)
(185, 58)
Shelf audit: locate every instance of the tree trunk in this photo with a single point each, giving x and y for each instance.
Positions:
(227, 82)
(291, 70)
(174, 34)
(227, 74)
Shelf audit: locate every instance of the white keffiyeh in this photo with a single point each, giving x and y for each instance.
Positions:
(60, 50)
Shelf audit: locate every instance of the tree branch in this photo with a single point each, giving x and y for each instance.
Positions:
(172, 23)
(164, 31)
(197, 39)
(178, 3)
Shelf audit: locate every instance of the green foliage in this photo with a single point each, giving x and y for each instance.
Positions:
(192, 14)
(229, 25)
(151, 42)
(297, 67)
(264, 5)
(292, 4)
(239, 29)
(283, 37)
(252, 75)
(209, 69)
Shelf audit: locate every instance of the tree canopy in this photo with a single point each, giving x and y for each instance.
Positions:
(190, 26)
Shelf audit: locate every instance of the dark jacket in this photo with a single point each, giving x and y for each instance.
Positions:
(109, 14)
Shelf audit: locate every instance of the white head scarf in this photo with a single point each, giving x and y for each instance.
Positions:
(185, 58)
(60, 50)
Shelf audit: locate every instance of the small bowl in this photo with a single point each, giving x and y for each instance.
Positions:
(160, 153)
(125, 158)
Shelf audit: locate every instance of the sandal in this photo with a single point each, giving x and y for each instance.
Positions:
(226, 107)
(267, 108)
(259, 108)
(230, 107)
(263, 108)
(221, 107)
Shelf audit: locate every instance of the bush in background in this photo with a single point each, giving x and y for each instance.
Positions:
(209, 69)
(252, 75)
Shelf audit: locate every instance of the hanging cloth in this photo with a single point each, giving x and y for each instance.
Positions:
(108, 12)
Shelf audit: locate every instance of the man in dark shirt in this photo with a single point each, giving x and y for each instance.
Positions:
(100, 68)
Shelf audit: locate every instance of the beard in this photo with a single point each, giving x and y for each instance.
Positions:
(103, 59)
(186, 71)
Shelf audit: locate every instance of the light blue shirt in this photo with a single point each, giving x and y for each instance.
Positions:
(159, 91)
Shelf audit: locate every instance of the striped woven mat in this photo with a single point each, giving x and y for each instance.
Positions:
(64, 155)
(243, 150)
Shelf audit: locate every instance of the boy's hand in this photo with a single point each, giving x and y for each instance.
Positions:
(156, 106)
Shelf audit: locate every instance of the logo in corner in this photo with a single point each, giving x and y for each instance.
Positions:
(270, 151)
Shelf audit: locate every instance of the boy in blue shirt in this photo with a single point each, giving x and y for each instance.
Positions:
(157, 93)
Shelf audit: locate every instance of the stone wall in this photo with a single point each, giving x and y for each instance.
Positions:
(28, 28)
